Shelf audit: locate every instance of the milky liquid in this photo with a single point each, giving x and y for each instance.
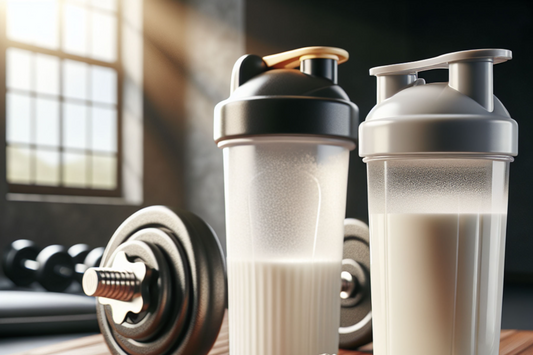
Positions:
(437, 283)
(283, 308)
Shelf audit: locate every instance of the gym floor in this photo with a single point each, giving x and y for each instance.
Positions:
(517, 314)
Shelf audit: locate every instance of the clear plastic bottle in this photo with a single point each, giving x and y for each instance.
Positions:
(286, 136)
(438, 164)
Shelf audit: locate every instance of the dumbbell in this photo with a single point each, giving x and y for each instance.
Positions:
(84, 258)
(52, 267)
(162, 285)
(162, 288)
(356, 309)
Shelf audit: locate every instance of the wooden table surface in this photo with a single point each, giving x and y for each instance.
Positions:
(512, 342)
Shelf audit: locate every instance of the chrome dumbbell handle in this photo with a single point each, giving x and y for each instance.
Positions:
(109, 283)
(349, 285)
(124, 286)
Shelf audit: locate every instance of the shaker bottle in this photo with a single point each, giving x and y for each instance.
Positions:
(438, 163)
(286, 136)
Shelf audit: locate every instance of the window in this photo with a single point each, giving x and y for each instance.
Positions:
(63, 97)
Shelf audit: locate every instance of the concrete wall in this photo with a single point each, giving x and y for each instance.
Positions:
(192, 48)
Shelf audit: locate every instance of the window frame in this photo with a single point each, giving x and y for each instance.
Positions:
(5, 43)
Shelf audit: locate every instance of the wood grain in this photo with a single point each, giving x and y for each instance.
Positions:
(512, 342)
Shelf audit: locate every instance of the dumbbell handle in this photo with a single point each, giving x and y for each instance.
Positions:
(349, 285)
(34, 265)
(120, 284)
(109, 283)
(30, 264)
(124, 286)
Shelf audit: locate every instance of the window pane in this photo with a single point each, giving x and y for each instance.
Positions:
(47, 74)
(74, 169)
(103, 84)
(18, 122)
(19, 21)
(104, 172)
(75, 126)
(18, 165)
(132, 13)
(104, 4)
(47, 122)
(103, 36)
(18, 69)
(104, 129)
(45, 23)
(75, 30)
(75, 79)
(33, 21)
(47, 167)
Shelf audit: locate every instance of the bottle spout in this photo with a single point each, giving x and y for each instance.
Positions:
(388, 85)
(316, 61)
(474, 79)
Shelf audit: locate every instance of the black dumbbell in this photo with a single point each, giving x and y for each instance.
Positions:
(84, 258)
(52, 267)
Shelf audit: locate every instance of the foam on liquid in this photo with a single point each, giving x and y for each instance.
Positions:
(283, 308)
(437, 283)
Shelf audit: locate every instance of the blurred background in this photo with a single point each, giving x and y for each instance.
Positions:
(108, 104)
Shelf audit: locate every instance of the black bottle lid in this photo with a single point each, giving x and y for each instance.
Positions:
(270, 97)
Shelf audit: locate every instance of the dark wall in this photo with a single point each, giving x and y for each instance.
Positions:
(387, 32)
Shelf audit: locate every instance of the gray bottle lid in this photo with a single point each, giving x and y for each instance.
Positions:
(459, 117)
(270, 97)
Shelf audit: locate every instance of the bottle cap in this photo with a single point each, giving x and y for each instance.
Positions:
(270, 97)
(459, 117)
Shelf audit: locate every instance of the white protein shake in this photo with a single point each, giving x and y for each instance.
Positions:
(437, 283)
(283, 308)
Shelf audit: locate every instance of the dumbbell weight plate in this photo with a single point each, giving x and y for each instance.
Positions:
(13, 258)
(79, 252)
(187, 243)
(94, 258)
(356, 310)
(56, 270)
(84, 258)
